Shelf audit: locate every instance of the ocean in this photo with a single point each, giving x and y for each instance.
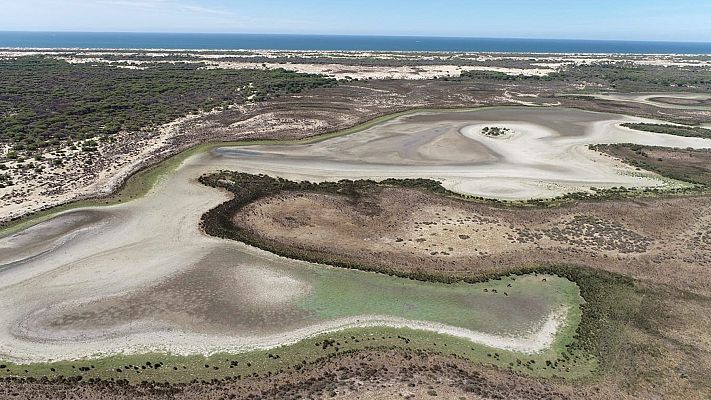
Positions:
(333, 42)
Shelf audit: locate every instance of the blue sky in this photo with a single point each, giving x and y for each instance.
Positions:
(678, 20)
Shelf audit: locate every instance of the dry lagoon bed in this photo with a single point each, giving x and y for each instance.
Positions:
(543, 155)
(141, 276)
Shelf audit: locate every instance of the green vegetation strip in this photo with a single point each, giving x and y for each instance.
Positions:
(174, 368)
(677, 130)
(505, 306)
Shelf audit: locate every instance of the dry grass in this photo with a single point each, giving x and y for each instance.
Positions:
(405, 229)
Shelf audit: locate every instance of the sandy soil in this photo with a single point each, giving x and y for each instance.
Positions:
(340, 71)
(339, 65)
(362, 64)
(115, 162)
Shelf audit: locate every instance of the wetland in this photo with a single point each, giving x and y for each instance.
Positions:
(144, 277)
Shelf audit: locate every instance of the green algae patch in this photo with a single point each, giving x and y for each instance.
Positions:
(506, 306)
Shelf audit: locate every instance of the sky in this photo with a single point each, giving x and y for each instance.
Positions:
(675, 20)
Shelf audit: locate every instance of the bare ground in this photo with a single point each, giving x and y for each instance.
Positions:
(680, 101)
(684, 164)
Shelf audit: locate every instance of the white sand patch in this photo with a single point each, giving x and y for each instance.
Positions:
(77, 184)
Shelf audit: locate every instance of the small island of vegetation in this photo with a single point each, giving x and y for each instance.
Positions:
(495, 131)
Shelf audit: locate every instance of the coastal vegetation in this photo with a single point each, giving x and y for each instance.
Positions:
(495, 131)
(47, 102)
(625, 76)
(688, 165)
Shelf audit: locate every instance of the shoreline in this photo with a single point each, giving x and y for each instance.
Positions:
(187, 344)
(62, 282)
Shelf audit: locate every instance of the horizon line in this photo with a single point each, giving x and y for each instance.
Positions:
(364, 35)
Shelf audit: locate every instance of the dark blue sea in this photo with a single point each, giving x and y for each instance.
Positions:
(340, 42)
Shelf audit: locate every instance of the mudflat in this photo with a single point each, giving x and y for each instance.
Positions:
(145, 278)
(544, 155)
